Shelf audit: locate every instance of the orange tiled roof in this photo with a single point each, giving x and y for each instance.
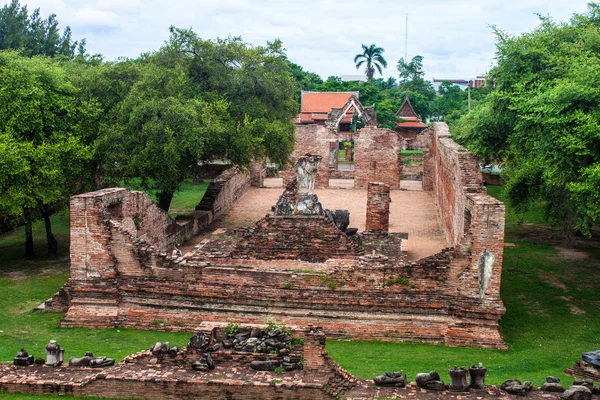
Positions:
(316, 106)
(323, 102)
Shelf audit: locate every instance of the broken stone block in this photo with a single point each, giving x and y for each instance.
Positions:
(458, 379)
(393, 379)
(268, 365)
(552, 379)
(552, 387)
(588, 383)
(576, 392)
(54, 354)
(592, 357)
(514, 386)
(477, 374)
(23, 359)
(430, 381)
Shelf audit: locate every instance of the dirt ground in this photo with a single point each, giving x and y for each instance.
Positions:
(412, 212)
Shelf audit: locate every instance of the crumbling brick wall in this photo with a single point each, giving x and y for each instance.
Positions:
(471, 219)
(376, 157)
(95, 215)
(223, 192)
(455, 175)
(316, 140)
(277, 237)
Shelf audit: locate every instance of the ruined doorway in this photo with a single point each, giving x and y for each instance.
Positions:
(342, 170)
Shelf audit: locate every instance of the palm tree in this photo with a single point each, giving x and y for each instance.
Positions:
(373, 57)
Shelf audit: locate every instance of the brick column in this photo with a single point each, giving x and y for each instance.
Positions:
(378, 207)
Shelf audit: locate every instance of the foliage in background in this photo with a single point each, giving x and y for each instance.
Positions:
(541, 120)
(32, 35)
(196, 101)
(43, 157)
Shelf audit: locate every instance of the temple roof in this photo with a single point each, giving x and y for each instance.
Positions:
(317, 106)
(408, 114)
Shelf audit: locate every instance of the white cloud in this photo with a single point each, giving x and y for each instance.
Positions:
(323, 36)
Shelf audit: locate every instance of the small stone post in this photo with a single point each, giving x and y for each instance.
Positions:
(378, 207)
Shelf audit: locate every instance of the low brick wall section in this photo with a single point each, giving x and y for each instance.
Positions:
(224, 191)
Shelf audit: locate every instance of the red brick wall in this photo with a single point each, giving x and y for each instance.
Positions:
(95, 214)
(378, 207)
(376, 157)
(277, 237)
(313, 139)
(455, 174)
(471, 219)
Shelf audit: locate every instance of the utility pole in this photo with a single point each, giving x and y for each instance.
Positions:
(469, 95)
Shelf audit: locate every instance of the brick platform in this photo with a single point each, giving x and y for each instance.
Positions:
(298, 269)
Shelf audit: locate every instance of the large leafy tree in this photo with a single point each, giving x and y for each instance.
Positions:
(541, 120)
(43, 159)
(199, 100)
(372, 59)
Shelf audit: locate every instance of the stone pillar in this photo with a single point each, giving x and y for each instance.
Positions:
(258, 172)
(378, 207)
(307, 167)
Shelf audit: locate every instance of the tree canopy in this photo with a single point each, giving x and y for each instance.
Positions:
(32, 35)
(43, 158)
(196, 101)
(541, 120)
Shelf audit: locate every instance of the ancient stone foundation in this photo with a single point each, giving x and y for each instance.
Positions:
(298, 265)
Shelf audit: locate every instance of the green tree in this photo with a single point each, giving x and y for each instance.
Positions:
(305, 80)
(541, 119)
(32, 35)
(372, 58)
(450, 104)
(41, 125)
(410, 71)
(196, 101)
(420, 91)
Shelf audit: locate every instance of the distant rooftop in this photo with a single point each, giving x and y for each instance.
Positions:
(353, 78)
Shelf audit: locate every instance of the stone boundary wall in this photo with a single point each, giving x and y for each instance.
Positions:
(455, 175)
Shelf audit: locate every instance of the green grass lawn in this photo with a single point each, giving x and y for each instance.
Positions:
(552, 316)
(184, 200)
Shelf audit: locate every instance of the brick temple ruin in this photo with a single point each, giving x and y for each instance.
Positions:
(300, 266)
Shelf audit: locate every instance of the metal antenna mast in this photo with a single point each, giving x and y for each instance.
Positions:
(406, 41)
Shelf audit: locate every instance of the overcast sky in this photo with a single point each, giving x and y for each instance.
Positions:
(454, 37)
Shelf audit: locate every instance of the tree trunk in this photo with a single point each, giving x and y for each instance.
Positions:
(164, 200)
(196, 174)
(52, 243)
(29, 250)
